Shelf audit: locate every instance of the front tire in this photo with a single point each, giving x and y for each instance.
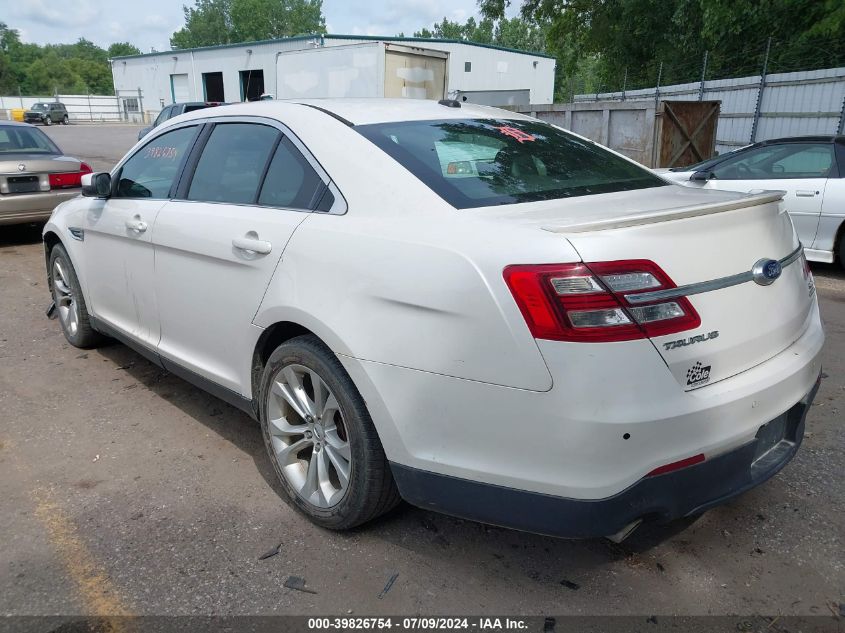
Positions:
(70, 304)
(320, 438)
(48, 121)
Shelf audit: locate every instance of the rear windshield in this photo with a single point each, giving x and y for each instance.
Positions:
(25, 140)
(481, 162)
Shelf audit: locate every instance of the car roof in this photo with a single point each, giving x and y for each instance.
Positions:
(15, 124)
(382, 110)
(823, 138)
(361, 111)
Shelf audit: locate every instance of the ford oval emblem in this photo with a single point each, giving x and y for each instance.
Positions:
(766, 271)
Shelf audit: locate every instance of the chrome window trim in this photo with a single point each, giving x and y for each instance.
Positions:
(707, 286)
(338, 208)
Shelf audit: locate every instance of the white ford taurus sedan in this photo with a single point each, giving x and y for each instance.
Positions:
(458, 306)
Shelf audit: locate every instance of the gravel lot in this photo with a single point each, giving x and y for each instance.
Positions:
(126, 490)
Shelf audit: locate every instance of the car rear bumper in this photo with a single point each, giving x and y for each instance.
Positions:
(672, 495)
(32, 207)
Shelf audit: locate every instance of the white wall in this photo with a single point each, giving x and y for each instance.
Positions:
(492, 69)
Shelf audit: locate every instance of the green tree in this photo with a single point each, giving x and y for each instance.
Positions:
(511, 33)
(120, 49)
(69, 68)
(638, 35)
(212, 22)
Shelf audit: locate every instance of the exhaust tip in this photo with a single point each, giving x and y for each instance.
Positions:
(625, 532)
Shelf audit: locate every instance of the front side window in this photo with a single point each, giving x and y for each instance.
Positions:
(25, 140)
(482, 162)
(790, 160)
(150, 172)
(233, 162)
(162, 116)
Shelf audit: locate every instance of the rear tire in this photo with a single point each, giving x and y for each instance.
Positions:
(70, 304)
(840, 252)
(320, 438)
(65, 120)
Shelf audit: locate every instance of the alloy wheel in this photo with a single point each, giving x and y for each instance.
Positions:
(309, 436)
(63, 296)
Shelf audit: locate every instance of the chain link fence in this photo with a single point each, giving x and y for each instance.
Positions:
(125, 106)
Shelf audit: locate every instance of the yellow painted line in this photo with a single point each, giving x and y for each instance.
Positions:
(99, 596)
(98, 593)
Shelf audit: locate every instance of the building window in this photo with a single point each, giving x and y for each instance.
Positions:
(212, 87)
(467, 67)
(252, 84)
(130, 104)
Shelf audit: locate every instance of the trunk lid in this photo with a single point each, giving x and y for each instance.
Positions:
(37, 163)
(31, 173)
(694, 239)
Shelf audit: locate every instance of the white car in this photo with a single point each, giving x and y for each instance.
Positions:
(529, 331)
(810, 169)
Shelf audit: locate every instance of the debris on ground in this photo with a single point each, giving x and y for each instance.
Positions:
(570, 585)
(271, 552)
(297, 583)
(389, 584)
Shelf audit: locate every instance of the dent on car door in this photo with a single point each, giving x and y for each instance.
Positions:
(218, 245)
(799, 169)
(117, 236)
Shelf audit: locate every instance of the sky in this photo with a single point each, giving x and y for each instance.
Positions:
(150, 23)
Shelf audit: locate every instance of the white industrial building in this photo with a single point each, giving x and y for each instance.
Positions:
(334, 66)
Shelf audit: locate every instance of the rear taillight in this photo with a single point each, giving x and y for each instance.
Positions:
(69, 179)
(587, 302)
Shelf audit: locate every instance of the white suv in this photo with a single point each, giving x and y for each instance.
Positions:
(463, 307)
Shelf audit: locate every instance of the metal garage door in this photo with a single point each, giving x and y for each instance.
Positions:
(179, 88)
(414, 76)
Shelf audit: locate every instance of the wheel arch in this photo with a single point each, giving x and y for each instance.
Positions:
(839, 244)
(281, 331)
(51, 238)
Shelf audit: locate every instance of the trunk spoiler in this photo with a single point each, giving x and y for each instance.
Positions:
(678, 213)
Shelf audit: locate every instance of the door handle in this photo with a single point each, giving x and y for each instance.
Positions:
(805, 193)
(136, 224)
(252, 245)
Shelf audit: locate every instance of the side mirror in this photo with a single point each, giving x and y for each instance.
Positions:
(143, 132)
(701, 176)
(97, 185)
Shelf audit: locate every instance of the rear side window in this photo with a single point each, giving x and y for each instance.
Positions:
(482, 162)
(290, 182)
(232, 163)
(150, 172)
